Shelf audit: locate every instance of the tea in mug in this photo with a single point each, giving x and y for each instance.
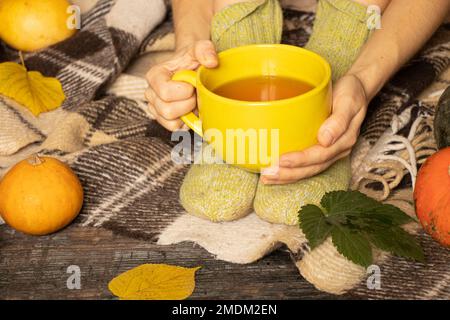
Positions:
(263, 88)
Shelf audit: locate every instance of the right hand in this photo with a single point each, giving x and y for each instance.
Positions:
(169, 100)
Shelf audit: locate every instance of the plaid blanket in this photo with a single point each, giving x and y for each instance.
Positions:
(123, 157)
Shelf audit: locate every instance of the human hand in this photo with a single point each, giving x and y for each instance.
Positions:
(336, 137)
(169, 100)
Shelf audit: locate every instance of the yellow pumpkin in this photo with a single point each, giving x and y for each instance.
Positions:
(40, 195)
(31, 25)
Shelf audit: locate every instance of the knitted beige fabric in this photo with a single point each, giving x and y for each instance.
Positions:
(338, 36)
(220, 192)
(328, 270)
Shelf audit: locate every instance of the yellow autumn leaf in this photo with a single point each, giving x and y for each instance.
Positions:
(154, 282)
(30, 88)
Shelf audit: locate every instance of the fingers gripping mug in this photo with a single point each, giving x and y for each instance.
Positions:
(253, 134)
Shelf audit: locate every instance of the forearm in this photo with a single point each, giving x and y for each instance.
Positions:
(192, 21)
(406, 26)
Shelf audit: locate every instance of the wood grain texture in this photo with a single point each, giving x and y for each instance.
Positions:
(35, 267)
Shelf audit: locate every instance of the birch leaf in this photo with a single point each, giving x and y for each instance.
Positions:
(30, 88)
(154, 282)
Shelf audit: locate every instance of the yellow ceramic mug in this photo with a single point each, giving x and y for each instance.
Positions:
(266, 129)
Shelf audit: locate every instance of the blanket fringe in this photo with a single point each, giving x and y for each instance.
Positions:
(394, 156)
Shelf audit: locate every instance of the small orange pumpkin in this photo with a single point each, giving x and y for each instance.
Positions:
(432, 196)
(40, 195)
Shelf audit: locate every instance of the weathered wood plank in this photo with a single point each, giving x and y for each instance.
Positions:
(35, 267)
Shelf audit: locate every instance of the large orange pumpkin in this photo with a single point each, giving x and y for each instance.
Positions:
(432, 196)
(40, 195)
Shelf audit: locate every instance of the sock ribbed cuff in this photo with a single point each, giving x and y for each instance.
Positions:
(349, 7)
(250, 22)
(340, 30)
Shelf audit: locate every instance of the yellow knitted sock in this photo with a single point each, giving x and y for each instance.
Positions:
(220, 192)
(339, 32)
(281, 203)
(249, 22)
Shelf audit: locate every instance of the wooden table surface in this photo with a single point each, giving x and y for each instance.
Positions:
(36, 267)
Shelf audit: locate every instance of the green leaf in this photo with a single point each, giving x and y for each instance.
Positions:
(314, 225)
(352, 245)
(356, 223)
(355, 202)
(393, 214)
(342, 202)
(398, 242)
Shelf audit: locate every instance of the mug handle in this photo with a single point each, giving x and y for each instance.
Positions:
(190, 119)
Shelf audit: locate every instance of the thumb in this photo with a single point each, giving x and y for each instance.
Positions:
(337, 124)
(205, 53)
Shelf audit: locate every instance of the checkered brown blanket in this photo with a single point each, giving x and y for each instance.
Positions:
(123, 157)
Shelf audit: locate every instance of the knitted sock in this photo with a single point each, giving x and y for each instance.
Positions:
(281, 203)
(339, 32)
(220, 192)
(249, 22)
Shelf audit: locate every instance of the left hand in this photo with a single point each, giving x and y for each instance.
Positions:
(336, 136)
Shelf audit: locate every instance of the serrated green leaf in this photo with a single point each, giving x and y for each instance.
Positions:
(398, 242)
(342, 202)
(355, 203)
(314, 225)
(392, 214)
(352, 245)
(356, 222)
